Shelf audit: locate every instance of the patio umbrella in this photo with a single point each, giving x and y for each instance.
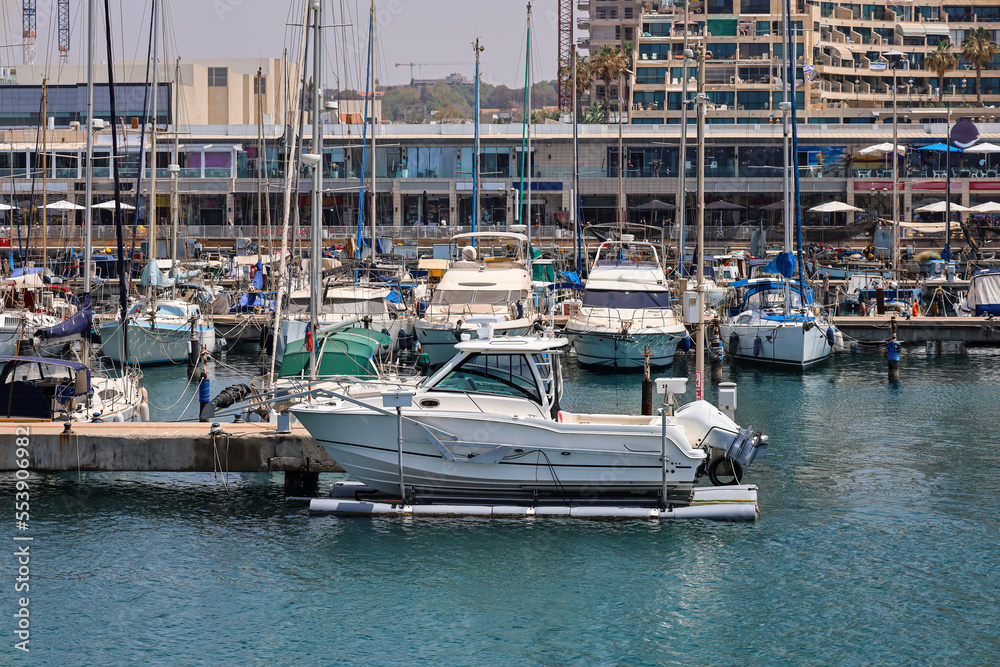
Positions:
(940, 207)
(110, 206)
(776, 206)
(987, 207)
(834, 207)
(882, 148)
(984, 147)
(940, 147)
(64, 206)
(721, 205)
(655, 205)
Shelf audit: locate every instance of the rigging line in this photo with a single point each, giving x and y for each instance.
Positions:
(150, 58)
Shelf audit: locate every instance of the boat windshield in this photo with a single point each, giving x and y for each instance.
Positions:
(499, 374)
(602, 298)
(772, 299)
(490, 297)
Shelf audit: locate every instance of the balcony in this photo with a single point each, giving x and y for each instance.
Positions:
(583, 5)
(583, 23)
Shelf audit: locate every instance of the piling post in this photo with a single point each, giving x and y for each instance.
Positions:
(826, 289)
(892, 352)
(717, 352)
(647, 385)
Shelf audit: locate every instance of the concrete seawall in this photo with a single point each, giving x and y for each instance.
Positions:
(164, 447)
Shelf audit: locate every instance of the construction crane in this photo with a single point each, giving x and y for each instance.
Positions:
(29, 18)
(565, 65)
(412, 65)
(63, 32)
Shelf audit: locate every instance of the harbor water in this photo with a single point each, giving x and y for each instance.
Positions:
(878, 543)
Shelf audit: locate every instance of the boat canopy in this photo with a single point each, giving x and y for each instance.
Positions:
(984, 293)
(347, 352)
(757, 285)
(32, 392)
(153, 277)
(77, 325)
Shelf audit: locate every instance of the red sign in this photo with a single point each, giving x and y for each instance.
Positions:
(699, 393)
(984, 185)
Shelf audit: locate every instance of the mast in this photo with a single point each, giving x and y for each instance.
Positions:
(682, 159)
(44, 160)
(475, 150)
(317, 189)
(260, 166)
(152, 140)
(895, 174)
(88, 213)
(371, 55)
(290, 174)
(574, 206)
(175, 169)
(530, 162)
(700, 247)
(790, 59)
(621, 158)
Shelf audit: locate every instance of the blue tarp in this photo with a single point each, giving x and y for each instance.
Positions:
(784, 265)
(258, 277)
(76, 325)
(572, 280)
(940, 147)
(394, 296)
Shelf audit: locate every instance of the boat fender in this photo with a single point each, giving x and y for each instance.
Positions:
(864, 309)
(685, 343)
(731, 468)
(144, 411)
(916, 309)
(734, 344)
(830, 336)
(838, 345)
(143, 395)
(757, 345)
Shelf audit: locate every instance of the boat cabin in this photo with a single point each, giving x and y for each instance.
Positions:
(41, 389)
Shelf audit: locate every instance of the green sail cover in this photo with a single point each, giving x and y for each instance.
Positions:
(543, 271)
(346, 352)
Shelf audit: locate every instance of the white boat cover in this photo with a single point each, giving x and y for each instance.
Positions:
(984, 290)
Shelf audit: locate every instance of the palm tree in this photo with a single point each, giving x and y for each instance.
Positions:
(582, 77)
(979, 50)
(593, 114)
(608, 65)
(940, 62)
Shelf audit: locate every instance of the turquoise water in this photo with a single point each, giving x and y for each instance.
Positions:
(878, 543)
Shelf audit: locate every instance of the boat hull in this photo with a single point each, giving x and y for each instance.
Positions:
(544, 460)
(153, 344)
(607, 349)
(788, 344)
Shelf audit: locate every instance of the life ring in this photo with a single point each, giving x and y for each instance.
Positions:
(731, 471)
(916, 309)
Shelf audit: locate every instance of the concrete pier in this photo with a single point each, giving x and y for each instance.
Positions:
(920, 329)
(166, 447)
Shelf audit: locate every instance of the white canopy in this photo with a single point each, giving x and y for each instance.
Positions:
(940, 207)
(28, 280)
(250, 260)
(5, 207)
(986, 207)
(925, 227)
(64, 206)
(110, 206)
(882, 148)
(984, 147)
(984, 290)
(834, 207)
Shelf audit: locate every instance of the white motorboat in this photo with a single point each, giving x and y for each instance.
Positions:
(491, 279)
(157, 332)
(983, 296)
(488, 426)
(770, 323)
(626, 309)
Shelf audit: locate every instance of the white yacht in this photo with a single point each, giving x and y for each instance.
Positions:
(626, 308)
(491, 279)
(488, 426)
(774, 321)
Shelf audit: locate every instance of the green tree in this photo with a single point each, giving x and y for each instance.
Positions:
(594, 114)
(941, 61)
(979, 50)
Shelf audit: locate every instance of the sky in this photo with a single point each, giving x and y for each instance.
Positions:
(421, 31)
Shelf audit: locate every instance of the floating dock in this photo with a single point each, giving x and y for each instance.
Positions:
(719, 503)
(169, 447)
(920, 329)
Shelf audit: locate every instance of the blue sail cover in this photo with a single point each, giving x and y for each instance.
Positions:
(258, 277)
(784, 265)
(78, 325)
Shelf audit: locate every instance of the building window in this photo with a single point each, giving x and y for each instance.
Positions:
(629, 34)
(218, 77)
(260, 85)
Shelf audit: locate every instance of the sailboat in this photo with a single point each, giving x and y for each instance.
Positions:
(774, 320)
(35, 388)
(155, 330)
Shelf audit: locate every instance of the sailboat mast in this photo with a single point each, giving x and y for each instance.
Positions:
(371, 56)
(152, 140)
(575, 207)
(260, 165)
(682, 158)
(790, 59)
(700, 247)
(44, 162)
(88, 213)
(175, 170)
(621, 159)
(530, 162)
(475, 150)
(317, 189)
